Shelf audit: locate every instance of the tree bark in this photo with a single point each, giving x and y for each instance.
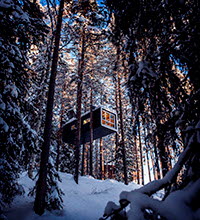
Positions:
(87, 162)
(163, 155)
(78, 111)
(83, 160)
(141, 151)
(39, 204)
(119, 105)
(137, 162)
(147, 154)
(91, 135)
(117, 134)
(157, 167)
(61, 126)
(122, 145)
(101, 160)
(153, 165)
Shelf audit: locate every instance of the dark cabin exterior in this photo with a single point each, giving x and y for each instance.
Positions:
(104, 123)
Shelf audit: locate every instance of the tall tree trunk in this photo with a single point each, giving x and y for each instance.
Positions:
(106, 166)
(141, 151)
(163, 155)
(137, 162)
(87, 161)
(157, 166)
(97, 161)
(117, 134)
(61, 125)
(91, 134)
(39, 204)
(147, 154)
(101, 160)
(78, 111)
(83, 160)
(153, 165)
(169, 158)
(122, 144)
(120, 111)
(148, 164)
(135, 150)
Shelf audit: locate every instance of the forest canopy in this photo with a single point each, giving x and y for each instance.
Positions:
(60, 60)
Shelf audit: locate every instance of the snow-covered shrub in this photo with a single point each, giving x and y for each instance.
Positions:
(180, 203)
(20, 23)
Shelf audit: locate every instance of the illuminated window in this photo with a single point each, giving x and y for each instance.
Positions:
(108, 119)
(86, 121)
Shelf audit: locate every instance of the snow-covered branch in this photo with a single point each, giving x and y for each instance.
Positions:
(141, 202)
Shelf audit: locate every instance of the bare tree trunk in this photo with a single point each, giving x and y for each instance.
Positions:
(88, 158)
(147, 155)
(141, 151)
(156, 161)
(83, 160)
(137, 162)
(78, 111)
(61, 125)
(148, 165)
(97, 161)
(163, 156)
(39, 204)
(106, 166)
(91, 135)
(169, 158)
(153, 165)
(31, 166)
(101, 160)
(116, 135)
(122, 144)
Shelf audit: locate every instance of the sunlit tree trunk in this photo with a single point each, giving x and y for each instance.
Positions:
(61, 126)
(122, 144)
(141, 151)
(169, 158)
(157, 166)
(117, 112)
(91, 133)
(78, 111)
(136, 160)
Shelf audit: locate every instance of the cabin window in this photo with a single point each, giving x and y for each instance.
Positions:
(86, 121)
(108, 119)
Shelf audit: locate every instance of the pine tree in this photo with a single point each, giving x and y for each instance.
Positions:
(22, 25)
(84, 21)
(159, 38)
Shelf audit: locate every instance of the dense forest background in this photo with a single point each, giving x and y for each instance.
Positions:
(137, 58)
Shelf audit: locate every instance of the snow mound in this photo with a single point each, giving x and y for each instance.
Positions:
(87, 200)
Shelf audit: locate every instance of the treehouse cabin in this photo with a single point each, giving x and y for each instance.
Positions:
(104, 123)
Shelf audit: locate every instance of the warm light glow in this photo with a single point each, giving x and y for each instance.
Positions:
(86, 121)
(108, 119)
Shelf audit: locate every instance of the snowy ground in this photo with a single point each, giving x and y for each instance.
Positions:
(85, 201)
